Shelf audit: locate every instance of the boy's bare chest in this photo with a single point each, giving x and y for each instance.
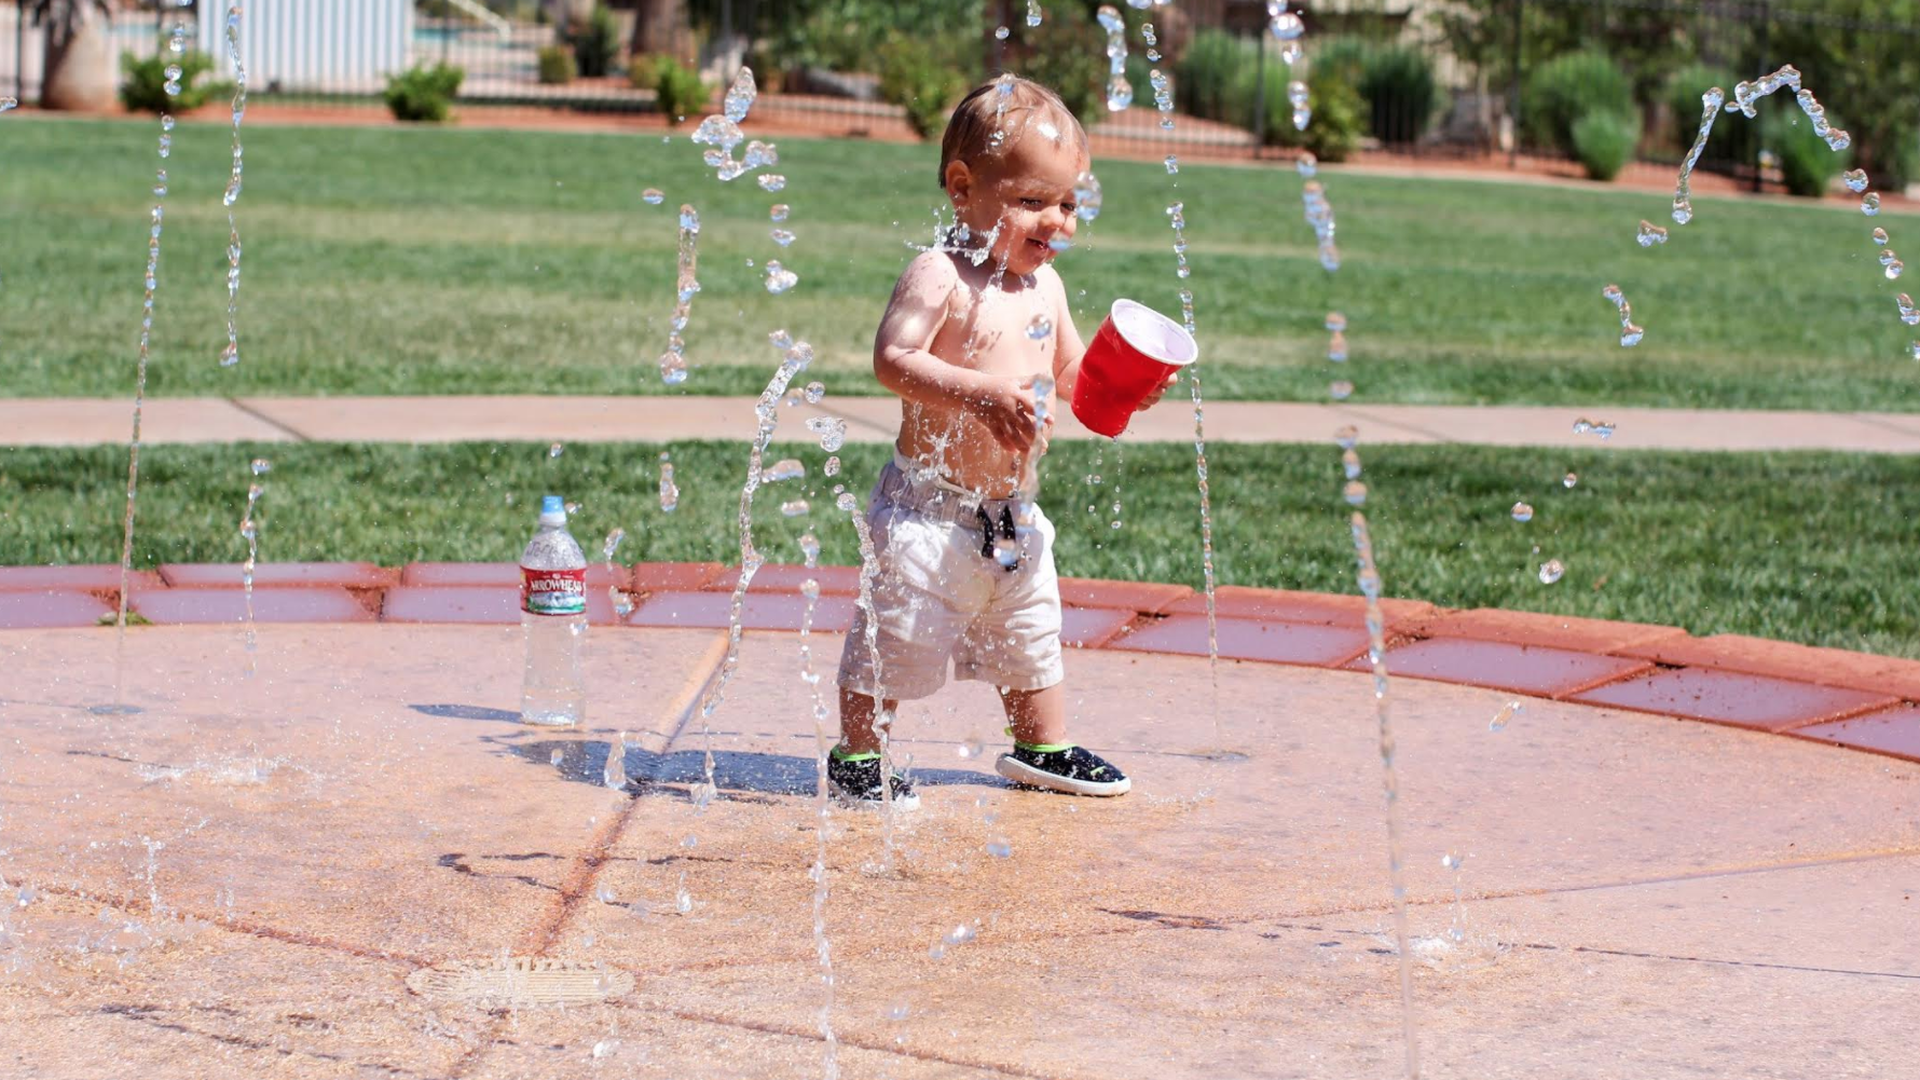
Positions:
(994, 330)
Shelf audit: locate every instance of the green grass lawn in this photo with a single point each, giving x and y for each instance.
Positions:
(439, 261)
(1815, 548)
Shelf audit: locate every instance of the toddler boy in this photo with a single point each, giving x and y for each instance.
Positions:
(966, 568)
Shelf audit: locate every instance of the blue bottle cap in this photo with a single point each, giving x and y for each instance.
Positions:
(552, 504)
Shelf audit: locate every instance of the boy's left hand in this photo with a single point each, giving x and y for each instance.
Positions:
(1154, 398)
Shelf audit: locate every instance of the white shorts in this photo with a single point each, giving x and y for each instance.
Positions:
(941, 595)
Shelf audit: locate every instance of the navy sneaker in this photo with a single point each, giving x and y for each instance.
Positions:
(857, 781)
(1074, 770)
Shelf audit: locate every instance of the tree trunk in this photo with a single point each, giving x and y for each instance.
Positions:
(661, 28)
(79, 64)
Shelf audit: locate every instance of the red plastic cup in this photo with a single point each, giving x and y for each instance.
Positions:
(1129, 358)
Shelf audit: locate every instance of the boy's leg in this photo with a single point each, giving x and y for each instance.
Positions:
(858, 734)
(1038, 717)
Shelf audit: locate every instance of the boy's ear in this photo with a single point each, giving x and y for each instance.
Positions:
(959, 182)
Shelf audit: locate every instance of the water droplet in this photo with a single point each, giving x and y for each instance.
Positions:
(1336, 322)
(961, 934)
(605, 1048)
(261, 466)
(1452, 861)
(779, 278)
(1355, 493)
(832, 467)
(1000, 847)
(1285, 25)
(832, 431)
(555, 758)
(1856, 179)
(1871, 204)
(1551, 571)
(1650, 234)
(1569, 480)
(794, 508)
(1086, 196)
(784, 469)
(778, 212)
(1522, 512)
(846, 502)
(1346, 437)
(898, 1011)
(1506, 714)
(1002, 33)
(1340, 390)
(1908, 313)
(1880, 237)
(683, 901)
(1337, 348)
(1173, 164)
(604, 893)
(1307, 164)
(1040, 328)
(815, 392)
(772, 182)
(555, 450)
(653, 196)
(1630, 335)
(1350, 464)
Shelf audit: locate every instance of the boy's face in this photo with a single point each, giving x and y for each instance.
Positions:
(1027, 193)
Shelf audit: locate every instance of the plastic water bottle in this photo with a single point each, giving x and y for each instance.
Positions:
(553, 613)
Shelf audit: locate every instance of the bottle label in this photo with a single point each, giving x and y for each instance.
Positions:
(553, 592)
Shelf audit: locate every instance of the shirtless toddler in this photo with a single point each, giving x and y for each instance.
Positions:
(966, 570)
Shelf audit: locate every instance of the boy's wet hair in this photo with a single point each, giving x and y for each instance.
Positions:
(1030, 108)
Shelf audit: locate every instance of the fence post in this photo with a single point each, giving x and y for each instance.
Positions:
(1766, 21)
(1259, 93)
(20, 54)
(1513, 86)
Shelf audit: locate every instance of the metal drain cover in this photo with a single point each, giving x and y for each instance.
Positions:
(520, 980)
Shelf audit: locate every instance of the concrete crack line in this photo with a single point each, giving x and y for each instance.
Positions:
(257, 414)
(854, 1040)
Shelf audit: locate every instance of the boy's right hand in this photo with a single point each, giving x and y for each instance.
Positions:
(1007, 410)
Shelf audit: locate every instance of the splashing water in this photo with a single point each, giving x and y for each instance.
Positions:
(1306, 164)
(1039, 328)
(1880, 237)
(1569, 480)
(1710, 103)
(1368, 578)
(822, 807)
(1148, 35)
(614, 776)
(673, 362)
(1119, 90)
(779, 278)
(1086, 196)
(1522, 512)
(1033, 13)
(1551, 571)
(250, 530)
(1650, 234)
(152, 280)
(653, 196)
(771, 182)
(832, 431)
(1630, 334)
(1318, 213)
(1163, 102)
(1870, 205)
(669, 491)
(9, 103)
(1602, 428)
(1505, 716)
(1855, 179)
(231, 354)
(1177, 219)
(1297, 96)
(1909, 314)
(1458, 931)
(622, 602)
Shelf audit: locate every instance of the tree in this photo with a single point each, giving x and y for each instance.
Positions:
(1858, 57)
(660, 27)
(78, 58)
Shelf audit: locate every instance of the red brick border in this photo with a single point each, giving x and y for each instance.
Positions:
(1855, 700)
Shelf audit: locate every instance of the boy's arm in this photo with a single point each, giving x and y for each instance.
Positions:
(1069, 349)
(903, 363)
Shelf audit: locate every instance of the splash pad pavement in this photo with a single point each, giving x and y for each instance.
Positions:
(357, 863)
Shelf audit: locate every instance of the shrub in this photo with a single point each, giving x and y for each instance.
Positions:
(1604, 141)
(1567, 88)
(1066, 54)
(679, 88)
(1339, 114)
(1733, 136)
(595, 42)
(557, 67)
(424, 93)
(1206, 75)
(1807, 164)
(643, 74)
(914, 75)
(146, 85)
(1398, 84)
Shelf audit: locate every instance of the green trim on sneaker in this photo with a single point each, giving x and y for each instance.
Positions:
(840, 753)
(1043, 748)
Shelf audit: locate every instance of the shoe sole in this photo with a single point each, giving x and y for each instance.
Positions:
(1027, 776)
(901, 803)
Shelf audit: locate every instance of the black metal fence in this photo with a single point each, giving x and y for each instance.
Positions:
(1407, 77)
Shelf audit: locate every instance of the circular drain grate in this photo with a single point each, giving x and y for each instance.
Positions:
(520, 980)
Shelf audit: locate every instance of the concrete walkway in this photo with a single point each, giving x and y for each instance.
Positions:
(91, 422)
(356, 863)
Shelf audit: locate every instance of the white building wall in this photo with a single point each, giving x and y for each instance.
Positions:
(323, 46)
